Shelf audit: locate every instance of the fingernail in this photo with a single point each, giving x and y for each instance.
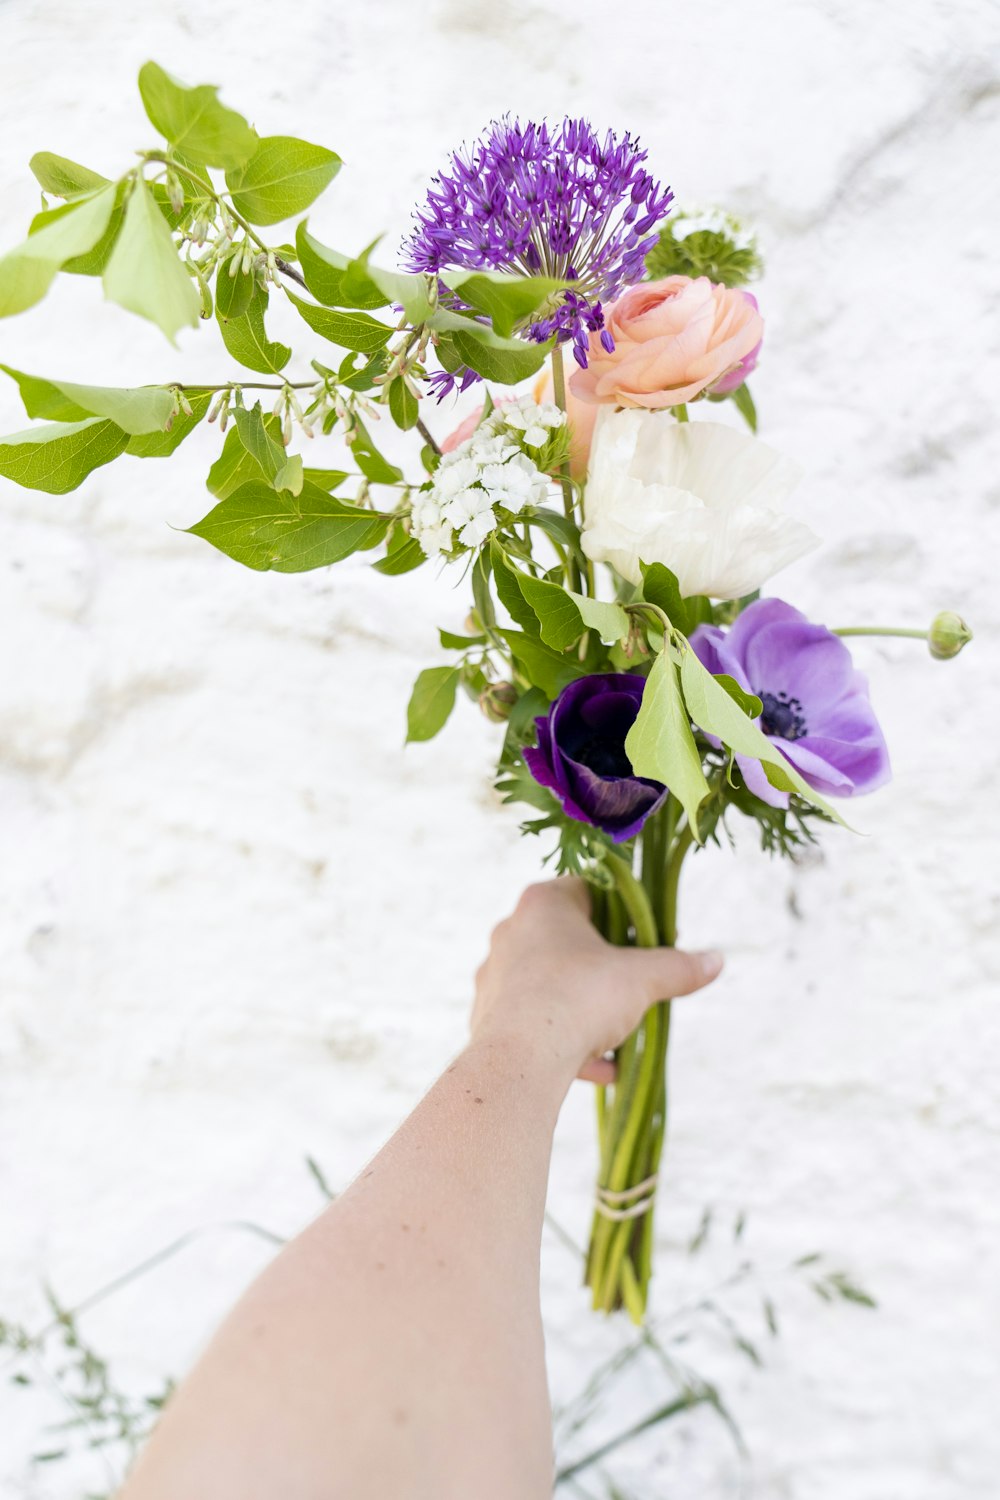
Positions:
(711, 963)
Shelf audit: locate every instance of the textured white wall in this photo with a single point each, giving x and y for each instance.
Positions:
(239, 921)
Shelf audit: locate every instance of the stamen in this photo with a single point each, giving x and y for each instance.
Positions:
(782, 716)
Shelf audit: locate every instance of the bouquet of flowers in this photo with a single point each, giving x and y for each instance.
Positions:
(614, 526)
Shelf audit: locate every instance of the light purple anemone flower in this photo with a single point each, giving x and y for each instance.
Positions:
(815, 704)
(543, 200)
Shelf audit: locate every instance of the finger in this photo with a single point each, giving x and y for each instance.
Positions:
(666, 973)
(601, 1070)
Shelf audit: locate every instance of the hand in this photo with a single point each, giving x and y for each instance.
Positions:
(551, 980)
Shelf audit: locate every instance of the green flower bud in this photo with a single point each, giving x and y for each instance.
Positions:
(948, 634)
(497, 700)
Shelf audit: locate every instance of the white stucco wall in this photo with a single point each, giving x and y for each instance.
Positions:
(239, 921)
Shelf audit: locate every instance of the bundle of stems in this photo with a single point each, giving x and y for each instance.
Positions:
(640, 908)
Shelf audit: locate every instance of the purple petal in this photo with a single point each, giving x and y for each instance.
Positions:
(712, 647)
(618, 804)
(839, 767)
(803, 661)
(756, 779)
(814, 767)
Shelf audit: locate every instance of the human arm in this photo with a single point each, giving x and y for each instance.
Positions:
(394, 1350)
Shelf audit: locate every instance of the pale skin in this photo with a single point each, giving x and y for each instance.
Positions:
(394, 1350)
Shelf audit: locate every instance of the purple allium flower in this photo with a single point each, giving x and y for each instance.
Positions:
(581, 754)
(545, 201)
(815, 704)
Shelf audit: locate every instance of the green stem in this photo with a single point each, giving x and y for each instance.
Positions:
(681, 1403)
(247, 385)
(428, 439)
(633, 896)
(566, 483)
(209, 192)
(632, 1128)
(911, 635)
(675, 858)
(680, 412)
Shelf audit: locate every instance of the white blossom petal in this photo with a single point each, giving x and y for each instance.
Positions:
(698, 496)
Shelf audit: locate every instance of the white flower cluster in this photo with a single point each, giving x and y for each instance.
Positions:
(715, 221)
(491, 468)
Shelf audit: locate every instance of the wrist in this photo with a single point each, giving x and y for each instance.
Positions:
(535, 1063)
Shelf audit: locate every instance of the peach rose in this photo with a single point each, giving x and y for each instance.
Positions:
(673, 339)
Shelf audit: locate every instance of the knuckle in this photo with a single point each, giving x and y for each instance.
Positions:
(533, 896)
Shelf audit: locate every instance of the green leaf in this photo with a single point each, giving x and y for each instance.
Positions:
(407, 289)
(481, 596)
(26, 272)
(236, 466)
(560, 528)
(431, 702)
(660, 587)
(144, 273)
(364, 377)
(351, 330)
(146, 409)
(370, 461)
(193, 121)
(233, 293)
(327, 479)
(716, 712)
(543, 667)
(505, 580)
(246, 338)
(403, 405)
(262, 446)
(748, 703)
(337, 280)
(504, 361)
(291, 475)
(93, 261)
(282, 178)
(325, 271)
(403, 554)
(505, 299)
(291, 534)
(744, 403)
(58, 457)
(660, 744)
(162, 444)
(452, 642)
(609, 620)
(64, 178)
(558, 615)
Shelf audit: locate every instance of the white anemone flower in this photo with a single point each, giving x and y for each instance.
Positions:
(699, 497)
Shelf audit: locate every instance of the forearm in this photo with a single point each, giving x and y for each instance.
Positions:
(372, 1357)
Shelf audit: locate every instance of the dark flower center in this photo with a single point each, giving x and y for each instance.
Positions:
(782, 716)
(604, 755)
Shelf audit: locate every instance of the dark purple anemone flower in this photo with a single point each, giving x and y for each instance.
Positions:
(546, 201)
(581, 754)
(815, 704)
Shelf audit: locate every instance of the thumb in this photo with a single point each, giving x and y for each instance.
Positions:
(665, 973)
